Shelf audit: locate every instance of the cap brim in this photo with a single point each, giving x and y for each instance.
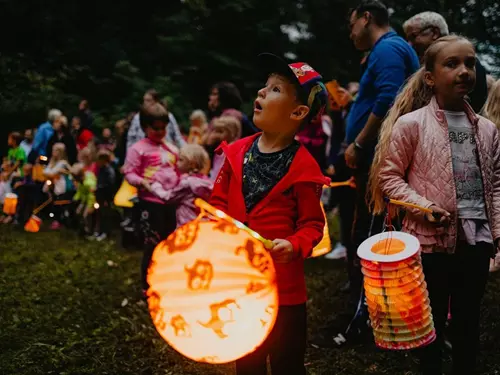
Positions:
(270, 64)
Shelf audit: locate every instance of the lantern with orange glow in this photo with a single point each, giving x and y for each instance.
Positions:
(396, 292)
(125, 194)
(213, 293)
(10, 204)
(325, 245)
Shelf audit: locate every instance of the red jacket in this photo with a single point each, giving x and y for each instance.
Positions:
(290, 211)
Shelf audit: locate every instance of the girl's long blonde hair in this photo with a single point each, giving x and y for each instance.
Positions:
(492, 107)
(62, 154)
(415, 95)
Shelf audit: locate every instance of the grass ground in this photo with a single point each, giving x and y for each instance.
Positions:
(72, 307)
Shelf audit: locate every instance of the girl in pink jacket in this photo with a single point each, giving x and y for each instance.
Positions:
(144, 159)
(434, 151)
(193, 165)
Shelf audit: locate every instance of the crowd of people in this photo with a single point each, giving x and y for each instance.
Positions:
(416, 97)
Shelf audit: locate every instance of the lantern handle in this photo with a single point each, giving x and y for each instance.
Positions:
(350, 183)
(268, 244)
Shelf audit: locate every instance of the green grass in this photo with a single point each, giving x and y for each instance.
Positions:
(66, 309)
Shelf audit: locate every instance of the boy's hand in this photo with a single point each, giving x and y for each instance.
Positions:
(282, 252)
(17, 184)
(439, 217)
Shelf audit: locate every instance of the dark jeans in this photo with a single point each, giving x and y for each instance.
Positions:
(364, 226)
(285, 346)
(156, 222)
(26, 202)
(459, 279)
(61, 206)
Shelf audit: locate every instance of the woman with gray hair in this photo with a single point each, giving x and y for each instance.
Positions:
(44, 133)
(422, 30)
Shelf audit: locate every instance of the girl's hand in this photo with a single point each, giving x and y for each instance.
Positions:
(439, 217)
(146, 185)
(282, 252)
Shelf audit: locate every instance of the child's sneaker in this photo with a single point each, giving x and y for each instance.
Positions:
(339, 252)
(55, 225)
(101, 237)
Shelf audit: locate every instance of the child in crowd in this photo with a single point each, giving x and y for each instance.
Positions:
(224, 129)
(104, 194)
(199, 126)
(25, 189)
(16, 155)
(435, 152)
(84, 198)
(107, 142)
(27, 142)
(271, 182)
(86, 156)
(193, 165)
(58, 183)
(144, 159)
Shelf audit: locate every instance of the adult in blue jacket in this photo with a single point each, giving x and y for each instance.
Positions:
(389, 61)
(43, 134)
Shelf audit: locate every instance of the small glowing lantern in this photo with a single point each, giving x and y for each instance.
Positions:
(33, 224)
(396, 292)
(10, 204)
(213, 293)
(125, 194)
(325, 245)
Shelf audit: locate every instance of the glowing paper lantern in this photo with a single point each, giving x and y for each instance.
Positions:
(396, 292)
(10, 204)
(213, 294)
(125, 194)
(33, 224)
(325, 246)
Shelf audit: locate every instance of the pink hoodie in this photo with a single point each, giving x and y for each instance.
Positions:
(190, 187)
(144, 160)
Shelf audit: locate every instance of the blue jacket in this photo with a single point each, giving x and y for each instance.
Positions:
(391, 61)
(42, 137)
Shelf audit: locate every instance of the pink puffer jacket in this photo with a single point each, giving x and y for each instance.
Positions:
(418, 169)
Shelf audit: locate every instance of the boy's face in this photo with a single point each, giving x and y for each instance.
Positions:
(27, 168)
(106, 133)
(277, 106)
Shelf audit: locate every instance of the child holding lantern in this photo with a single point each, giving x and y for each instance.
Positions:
(272, 184)
(144, 159)
(435, 152)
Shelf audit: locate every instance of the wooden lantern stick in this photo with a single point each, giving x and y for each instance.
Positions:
(268, 244)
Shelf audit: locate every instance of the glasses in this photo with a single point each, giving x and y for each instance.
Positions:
(412, 37)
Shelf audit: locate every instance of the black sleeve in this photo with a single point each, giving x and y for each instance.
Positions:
(478, 96)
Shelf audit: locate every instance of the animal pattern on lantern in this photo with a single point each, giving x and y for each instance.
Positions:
(256, 259)
(200, 275)
(216, 323)
(180, 326)
(269, 312)
(255, 287)
(182, 238)
(157, 312)
(225, 227)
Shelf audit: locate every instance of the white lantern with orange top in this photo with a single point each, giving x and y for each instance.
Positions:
(213, 293)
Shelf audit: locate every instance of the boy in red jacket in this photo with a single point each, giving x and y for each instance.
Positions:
(272, 184)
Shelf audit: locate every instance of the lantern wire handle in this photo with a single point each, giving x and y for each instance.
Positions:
(205, 207)
(350, 183)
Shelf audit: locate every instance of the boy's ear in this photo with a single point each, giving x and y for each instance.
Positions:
(299, 113)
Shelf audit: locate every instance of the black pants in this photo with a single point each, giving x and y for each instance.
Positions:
(156, 222)
(364, 225)
(26, 202)
(460, 279)
(61, 206)
(285, 346)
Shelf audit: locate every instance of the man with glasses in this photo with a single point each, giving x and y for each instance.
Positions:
(422, 30)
